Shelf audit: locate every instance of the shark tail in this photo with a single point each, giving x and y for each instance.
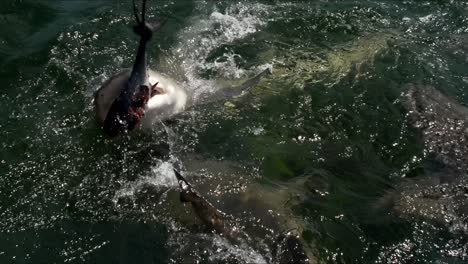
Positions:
(142, 28)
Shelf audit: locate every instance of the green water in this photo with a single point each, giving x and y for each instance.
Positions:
(325, 135)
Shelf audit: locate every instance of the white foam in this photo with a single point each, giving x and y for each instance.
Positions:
(227, 67)
(205, 35)
(216, 247)
(161, 175)
(241, 251)
(427, 19)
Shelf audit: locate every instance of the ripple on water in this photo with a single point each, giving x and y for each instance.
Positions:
(330, 148)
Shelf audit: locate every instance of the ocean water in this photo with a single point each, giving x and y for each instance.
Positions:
(323, 146)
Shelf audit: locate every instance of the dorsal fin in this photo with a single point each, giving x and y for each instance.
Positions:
(181, 178)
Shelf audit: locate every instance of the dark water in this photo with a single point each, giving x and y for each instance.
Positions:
(322, 142)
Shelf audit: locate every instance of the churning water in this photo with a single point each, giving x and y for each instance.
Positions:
(327, 145)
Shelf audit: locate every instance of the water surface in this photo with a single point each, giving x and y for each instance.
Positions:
(321, 142)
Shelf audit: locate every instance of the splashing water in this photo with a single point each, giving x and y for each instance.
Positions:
(324, 142)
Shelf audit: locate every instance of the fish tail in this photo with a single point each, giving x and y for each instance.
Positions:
(142, 28)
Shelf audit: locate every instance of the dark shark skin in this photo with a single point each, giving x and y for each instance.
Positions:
(287, 248)
(128, 108)
(205, 211)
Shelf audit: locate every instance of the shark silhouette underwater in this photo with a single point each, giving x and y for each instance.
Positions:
(286, 248)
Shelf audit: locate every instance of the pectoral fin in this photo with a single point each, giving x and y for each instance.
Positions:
(233, 91)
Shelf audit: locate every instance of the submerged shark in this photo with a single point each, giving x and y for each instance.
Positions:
(287, 248)
(205, 211)
(437, 191)
(142, 95)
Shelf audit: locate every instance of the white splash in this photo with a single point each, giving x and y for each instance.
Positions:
(427, 19)
(205, 35)
(226, 64)
(243, 251)
(161, 175)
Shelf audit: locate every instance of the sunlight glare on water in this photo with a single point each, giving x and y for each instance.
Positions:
(356, 141)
